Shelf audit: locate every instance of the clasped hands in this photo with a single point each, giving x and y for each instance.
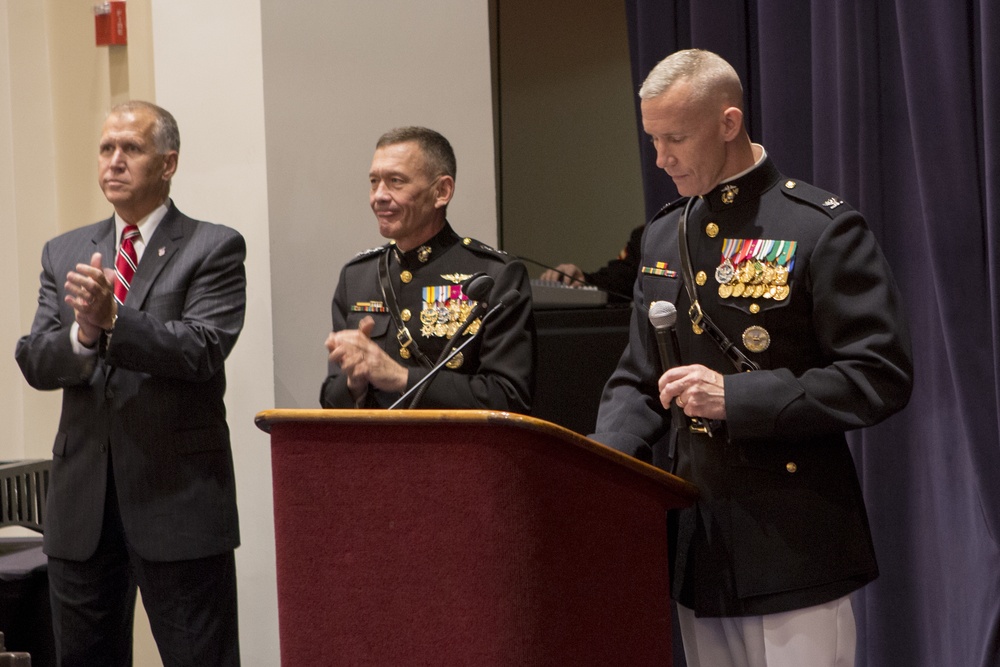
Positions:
(697, 390)
(364, 362)
(90, 292)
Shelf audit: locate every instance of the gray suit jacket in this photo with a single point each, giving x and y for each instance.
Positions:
(152, 400)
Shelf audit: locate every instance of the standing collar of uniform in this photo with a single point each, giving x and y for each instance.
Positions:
(744, 187)
(430, 250)
(147, 226)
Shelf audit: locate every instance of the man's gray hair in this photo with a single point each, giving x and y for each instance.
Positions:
(708, 73)
(437, 150)
(166, 136)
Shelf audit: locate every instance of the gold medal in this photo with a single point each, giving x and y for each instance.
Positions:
(440, 329)
(452, 329)
(725, 291)
(738, 289)
(428, 316)
(455, 361)
(780, 275)
(781, 292)
(758, 291)
(756, 338)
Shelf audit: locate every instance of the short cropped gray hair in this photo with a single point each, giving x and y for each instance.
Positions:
(437, 150)
(708, 73)
(166, 136)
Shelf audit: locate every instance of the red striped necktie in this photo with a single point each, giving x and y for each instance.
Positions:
(126, 263)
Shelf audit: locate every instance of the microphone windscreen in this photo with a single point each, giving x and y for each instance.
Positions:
(662, 314)
(477, 286)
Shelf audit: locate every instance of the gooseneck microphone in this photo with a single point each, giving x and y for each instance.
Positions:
(509, 297)
(663, 317)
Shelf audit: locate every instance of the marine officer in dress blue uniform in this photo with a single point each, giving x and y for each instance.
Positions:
(396, 307)
(791, 332)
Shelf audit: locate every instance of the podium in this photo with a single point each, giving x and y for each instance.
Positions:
(465, 537)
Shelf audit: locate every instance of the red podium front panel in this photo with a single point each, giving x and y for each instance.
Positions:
(465, 538)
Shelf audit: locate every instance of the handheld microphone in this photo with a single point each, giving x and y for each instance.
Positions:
(663, 317)
(509, 297)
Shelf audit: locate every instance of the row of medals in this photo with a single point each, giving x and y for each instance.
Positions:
(752, 279)
(441, 321)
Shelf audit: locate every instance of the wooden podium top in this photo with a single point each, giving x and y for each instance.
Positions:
(681, 488)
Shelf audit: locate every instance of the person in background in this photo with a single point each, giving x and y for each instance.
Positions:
(763, 565)
(617, 277)
(397, 306)
(136, 316)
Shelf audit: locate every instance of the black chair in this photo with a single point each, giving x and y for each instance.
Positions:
(24, 614)
(23, 485)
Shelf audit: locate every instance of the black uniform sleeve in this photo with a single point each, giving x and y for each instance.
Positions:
(860, 328)
(617, 277)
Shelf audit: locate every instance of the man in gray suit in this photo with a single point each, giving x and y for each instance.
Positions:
(142, 491)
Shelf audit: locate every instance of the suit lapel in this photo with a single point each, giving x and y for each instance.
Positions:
(105, 242)
(166, 240)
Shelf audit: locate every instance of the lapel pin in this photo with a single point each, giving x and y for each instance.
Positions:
(161, 252)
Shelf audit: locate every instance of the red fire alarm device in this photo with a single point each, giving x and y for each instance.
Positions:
(110, 24)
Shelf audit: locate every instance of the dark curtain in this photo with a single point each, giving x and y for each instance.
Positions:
(894, 106)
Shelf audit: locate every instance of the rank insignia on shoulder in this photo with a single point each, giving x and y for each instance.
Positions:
(456, 278)
(368, 307)
(369, 251)
(833, 203)
(659, 269)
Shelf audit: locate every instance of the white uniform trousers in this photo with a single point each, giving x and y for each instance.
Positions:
(820, 636)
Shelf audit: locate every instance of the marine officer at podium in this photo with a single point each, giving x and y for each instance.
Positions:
(396, 307)
(763, 564)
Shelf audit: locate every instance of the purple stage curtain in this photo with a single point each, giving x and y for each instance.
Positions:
(895, 106)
